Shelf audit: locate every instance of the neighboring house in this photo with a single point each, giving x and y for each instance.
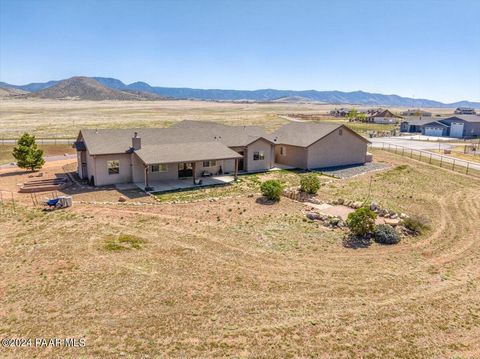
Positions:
(465, 111)
(461, 126)
(414, 124)
(383, 117)
(340, 112)
(416, 112)
(319, 145)
(193, 149)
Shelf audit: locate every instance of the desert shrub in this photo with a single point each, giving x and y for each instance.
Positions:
(272, 189)
(362, 221)
(123, 242)
(386, 234)
(416, 224)
(309, 183)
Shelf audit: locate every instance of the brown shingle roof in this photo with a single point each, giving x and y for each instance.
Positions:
(304, 134)
(111, 141)
(185, 152)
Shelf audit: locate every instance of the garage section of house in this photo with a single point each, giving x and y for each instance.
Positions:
(319, 145)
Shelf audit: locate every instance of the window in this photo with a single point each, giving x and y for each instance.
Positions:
(283, 151)
(209, 163)
(159, 168)
(258, 155)
(113, 167)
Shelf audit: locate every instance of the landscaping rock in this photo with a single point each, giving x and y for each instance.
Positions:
(122, 199)
(340, 201)
(313, 216)
(373, 206)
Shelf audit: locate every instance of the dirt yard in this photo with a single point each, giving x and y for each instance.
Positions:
(237, 277)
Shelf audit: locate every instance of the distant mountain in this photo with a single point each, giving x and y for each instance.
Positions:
(86, 88)
(265, 95)
(11, 92)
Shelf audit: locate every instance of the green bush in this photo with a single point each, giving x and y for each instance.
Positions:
(309, 183)
(272, 189)
(362, 221)
(416, 224)
(386, 234)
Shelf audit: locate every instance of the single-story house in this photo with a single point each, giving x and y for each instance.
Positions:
(465, 111)
(383, 117)
(416, 112)
(154, 154)
(319, 145)
(195, 149)
(458, 126)
(414, 124)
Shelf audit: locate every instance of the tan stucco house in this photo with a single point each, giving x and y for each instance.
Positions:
(195, 149)
(311, 146)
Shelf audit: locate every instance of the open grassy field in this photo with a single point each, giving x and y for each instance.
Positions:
(57, 118)
(48, 150)
(241, 278)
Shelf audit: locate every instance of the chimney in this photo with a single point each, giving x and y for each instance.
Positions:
(136, 141)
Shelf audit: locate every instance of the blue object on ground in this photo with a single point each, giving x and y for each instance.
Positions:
(53, 202)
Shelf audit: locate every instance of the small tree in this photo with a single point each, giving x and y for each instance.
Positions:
(352, 114)
(362, 221)
(309, 183)
(272, 189)
(27, 154)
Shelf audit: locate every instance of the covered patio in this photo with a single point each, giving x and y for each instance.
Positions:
(185, 183)
(171, 167)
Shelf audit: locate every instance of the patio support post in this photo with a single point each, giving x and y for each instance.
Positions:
(193, 170)
(236, 169)
(146, 177)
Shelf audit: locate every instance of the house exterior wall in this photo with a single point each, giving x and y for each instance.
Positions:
(260, 165)
(172, 173)
(102, 177)
(294, 156)
(472, 129)
(337, 150)
(434, 131)
(138, 169)
(384, 120)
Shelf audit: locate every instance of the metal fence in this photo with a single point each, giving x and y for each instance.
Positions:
(451, 163)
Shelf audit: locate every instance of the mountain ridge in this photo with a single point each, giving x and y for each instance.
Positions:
(260, 95)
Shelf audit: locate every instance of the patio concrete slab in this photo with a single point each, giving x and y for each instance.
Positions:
(187, 183)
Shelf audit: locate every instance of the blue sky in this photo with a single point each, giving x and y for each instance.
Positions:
(420, 48)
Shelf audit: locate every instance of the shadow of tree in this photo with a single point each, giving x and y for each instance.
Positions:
(265, 201)
(353, 242)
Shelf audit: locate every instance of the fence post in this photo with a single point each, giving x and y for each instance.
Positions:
(430, 159)
(441, 160)
(453, 165)
(419, 155)
(468, 165)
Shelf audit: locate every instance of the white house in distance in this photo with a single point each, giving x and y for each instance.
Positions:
(384, 117)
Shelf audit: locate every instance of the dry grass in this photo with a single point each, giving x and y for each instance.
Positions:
(57, 118)
(48, 150)
(237, 278)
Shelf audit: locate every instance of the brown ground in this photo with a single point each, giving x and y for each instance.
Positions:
(241, 278)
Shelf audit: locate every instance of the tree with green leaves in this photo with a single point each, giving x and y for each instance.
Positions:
(352, 114)
(27, 154)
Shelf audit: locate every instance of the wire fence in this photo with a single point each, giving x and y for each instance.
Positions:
(41, 141)
(448, 162)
